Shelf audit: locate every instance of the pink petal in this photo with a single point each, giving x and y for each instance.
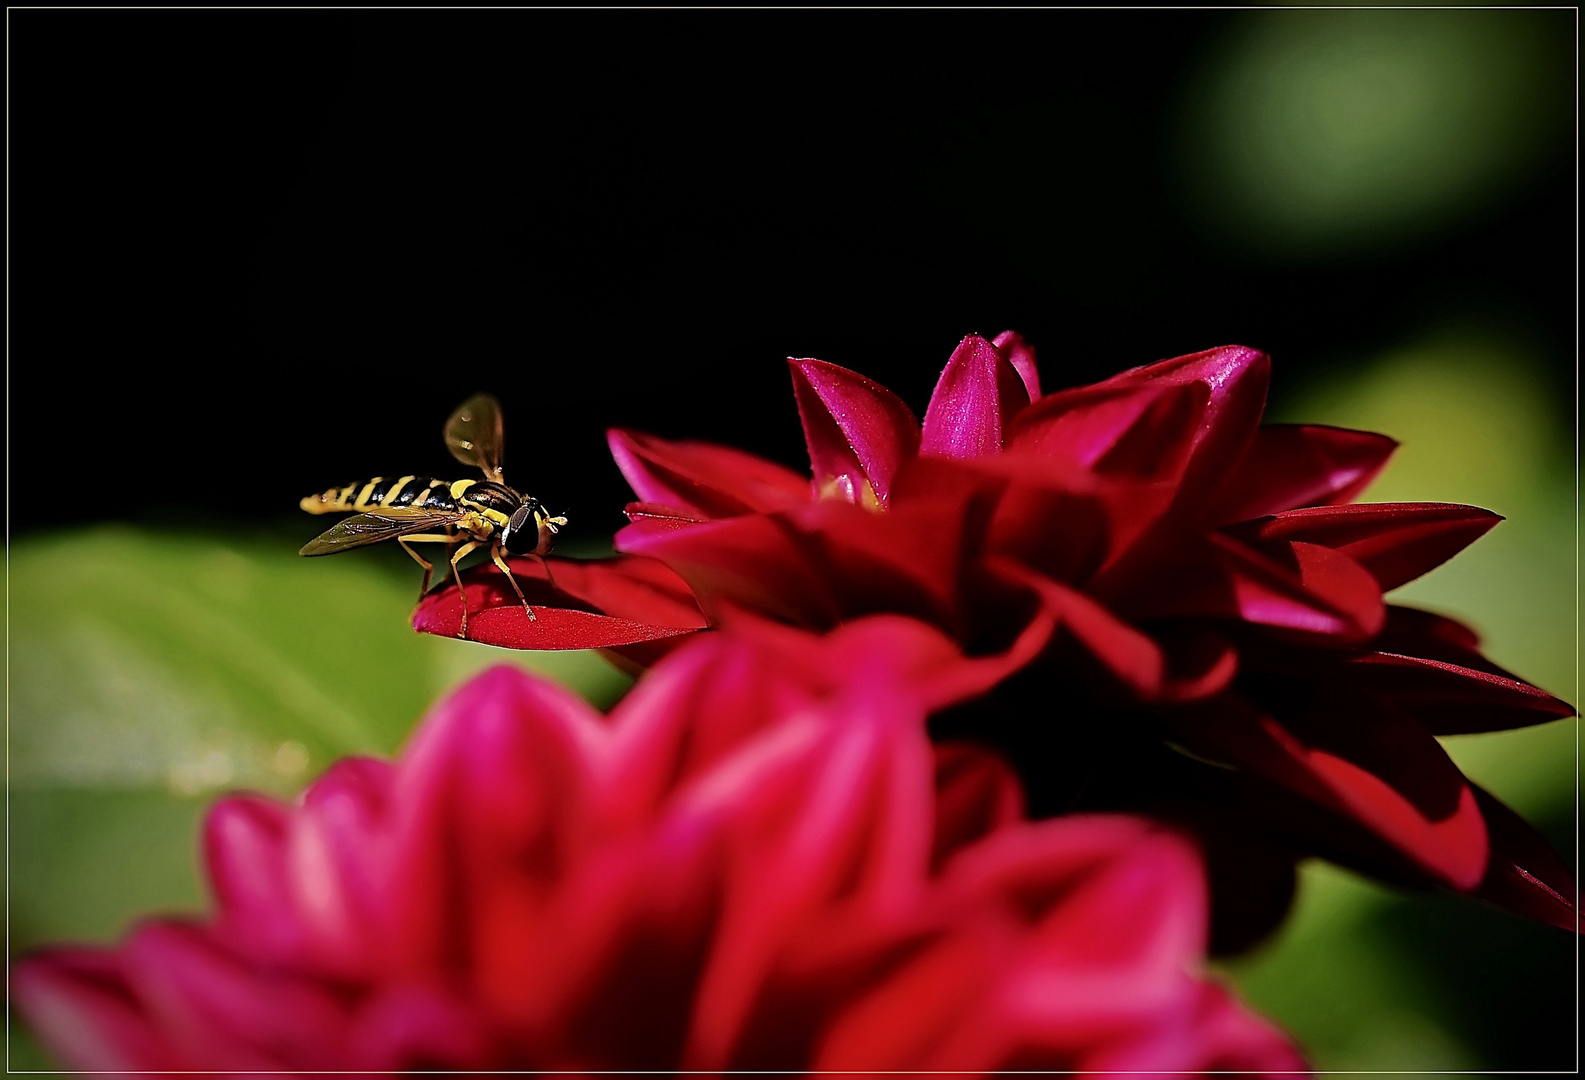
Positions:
(413, 1026)
(245, 839)
(78, 1002)
(495, 794)
(225, 1014)
(858, 431)
(977, 396)
(1021, 355)
(1396, 542)
(856, 826)
(1292, 465)
(713, 481)
(1213, 1034)
(1525, 875)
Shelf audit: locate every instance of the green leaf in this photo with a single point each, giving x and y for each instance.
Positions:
(151, 672)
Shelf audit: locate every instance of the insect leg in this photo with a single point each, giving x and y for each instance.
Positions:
(549, 577)
(429, 538)
(462, 593)
(495, 553)
(429, 567)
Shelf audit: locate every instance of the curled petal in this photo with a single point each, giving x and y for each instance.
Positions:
(1396, 542)
(1021, 355)
(977, 396)
(858, 432)
(710, 480)
(1293, 465)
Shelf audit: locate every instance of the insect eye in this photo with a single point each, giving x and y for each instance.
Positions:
(521, 535)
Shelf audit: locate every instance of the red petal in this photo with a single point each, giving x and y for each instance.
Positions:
(713, 481)
(1396, 542)
(661, 516)
(977, 793)
(1412, 632)
(1289, 465)
(1383, 771)
(1145, 432)
(1021, 355)
(977, 396)
(858, 431)
(1234, 381)
(639, 601)
(1300, 587)
(1453, 700)
(1127, 653)
(757, 562)
(1526, 876)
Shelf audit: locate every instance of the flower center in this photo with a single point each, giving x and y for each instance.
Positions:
(848, 487)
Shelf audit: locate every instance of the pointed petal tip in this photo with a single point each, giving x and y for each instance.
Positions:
(974, 402)
(857, 431)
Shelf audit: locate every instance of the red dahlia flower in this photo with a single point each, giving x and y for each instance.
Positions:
(758, 862)
(1209, 579)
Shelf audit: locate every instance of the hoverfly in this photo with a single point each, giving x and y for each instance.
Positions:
(462, 514)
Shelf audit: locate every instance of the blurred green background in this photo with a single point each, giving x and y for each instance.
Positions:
(1355, 191)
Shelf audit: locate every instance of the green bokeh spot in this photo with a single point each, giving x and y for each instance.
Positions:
(1330, 132)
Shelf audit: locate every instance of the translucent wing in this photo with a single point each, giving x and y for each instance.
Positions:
(473, 435)
(385, 524)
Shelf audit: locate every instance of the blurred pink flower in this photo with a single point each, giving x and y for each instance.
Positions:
(758, 862)
(1189, 574)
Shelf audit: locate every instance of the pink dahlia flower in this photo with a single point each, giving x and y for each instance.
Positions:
(1193, 578)
(759, 861)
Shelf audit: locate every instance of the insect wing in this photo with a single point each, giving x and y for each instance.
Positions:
(473, 435)
(362, 529)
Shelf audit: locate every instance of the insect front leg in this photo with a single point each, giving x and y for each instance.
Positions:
(456, 557)
(495, 553)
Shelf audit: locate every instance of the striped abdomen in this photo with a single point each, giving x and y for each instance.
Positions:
(418, 492)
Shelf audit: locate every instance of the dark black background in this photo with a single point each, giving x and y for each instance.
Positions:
(254, 254)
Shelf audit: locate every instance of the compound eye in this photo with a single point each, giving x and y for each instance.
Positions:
(521, 535)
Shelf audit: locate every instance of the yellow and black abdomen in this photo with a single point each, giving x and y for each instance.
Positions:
(417, 492)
